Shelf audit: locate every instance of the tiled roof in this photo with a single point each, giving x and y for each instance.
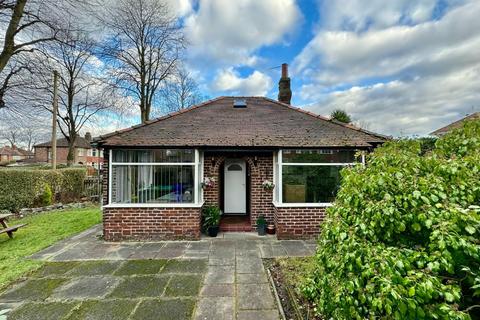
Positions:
(456, 124)
(14, 151)
(263, 123)
(80, 142)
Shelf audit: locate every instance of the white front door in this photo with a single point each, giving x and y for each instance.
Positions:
(235, 186)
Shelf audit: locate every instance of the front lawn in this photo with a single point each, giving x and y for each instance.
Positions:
(42, 231)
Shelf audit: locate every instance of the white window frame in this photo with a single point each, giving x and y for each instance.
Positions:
(278, 174)
(196, 202)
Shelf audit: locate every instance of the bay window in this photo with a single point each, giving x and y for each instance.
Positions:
(310, 176)
(157, 176)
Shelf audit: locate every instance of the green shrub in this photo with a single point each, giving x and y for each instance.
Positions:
(401, 241)
(23, 188)
(211, 216)
(46, 198)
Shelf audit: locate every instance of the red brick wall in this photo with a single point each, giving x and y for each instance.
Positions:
(261, 169)
(298, 223)
(151, 223)
(41, 155)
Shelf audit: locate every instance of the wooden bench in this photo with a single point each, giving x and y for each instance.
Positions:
(11, 230)
(6, 229)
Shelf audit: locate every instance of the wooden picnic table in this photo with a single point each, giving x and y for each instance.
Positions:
(6, 229)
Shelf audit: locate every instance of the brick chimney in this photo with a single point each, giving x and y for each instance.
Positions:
(88, 137)
(284, 91)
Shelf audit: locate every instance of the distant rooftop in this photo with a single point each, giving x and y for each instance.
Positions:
(454, 125)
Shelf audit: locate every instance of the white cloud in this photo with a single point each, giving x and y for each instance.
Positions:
(180, 7)
(406, 78)
(358, 15)
(229, 32)
(256, 84)
(411, 107)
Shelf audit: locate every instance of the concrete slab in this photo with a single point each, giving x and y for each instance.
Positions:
(249, 265)
(220, 274)
(215, 308)
(172, 309)
(94, 268)
(32, 290)
(258, 314)
(119, 309)
(139, 267)
(214, 261)
(183, 285)
(185, 266)
(43, 311)
(254, 296)
(85, 288)
(217, 290)
(140, 286)
(252, 278)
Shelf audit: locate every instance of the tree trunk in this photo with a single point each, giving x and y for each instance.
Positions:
(71, 150)
(9, 41)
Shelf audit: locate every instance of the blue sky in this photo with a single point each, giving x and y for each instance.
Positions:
(398, 67)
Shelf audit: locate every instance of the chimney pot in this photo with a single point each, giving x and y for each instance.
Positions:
(284, 70)
(284, 91)
(88, 136)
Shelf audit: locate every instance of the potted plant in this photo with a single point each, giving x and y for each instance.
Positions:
(271, 229)
(208, 183)
(268, 185)
(261, 225)
(211, 220)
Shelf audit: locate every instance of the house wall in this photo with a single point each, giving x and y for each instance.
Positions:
(260, 169)
(151, 223)
(298, 222)
(184, 223)
(147, 223)
(41, 155)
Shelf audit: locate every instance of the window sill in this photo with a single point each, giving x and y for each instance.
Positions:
(154, 205)
(302, 205)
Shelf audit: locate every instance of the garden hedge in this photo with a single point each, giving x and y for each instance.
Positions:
(24, 188)
(403, 238)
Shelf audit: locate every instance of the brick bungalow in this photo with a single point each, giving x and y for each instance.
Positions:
(14, 153)
(153, 180)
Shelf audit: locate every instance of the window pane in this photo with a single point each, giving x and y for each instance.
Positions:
(318, 156)
(155, 155)
(152, 184)
(310, 184)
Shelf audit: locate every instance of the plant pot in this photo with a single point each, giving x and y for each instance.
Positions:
(213, 231)
(261, 228)
(271, 229)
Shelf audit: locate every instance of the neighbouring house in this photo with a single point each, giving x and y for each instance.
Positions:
(454, 125)
(157, 175)
(84, 153)
(11, 154)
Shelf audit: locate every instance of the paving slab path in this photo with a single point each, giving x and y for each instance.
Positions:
(227, 274)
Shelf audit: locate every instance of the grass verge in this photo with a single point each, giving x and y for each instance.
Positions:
(42, 231)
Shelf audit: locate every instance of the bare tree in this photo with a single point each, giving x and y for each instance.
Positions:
(11, 135)
(143, 46)
(28, 24)
(180, 91)
(82, 93)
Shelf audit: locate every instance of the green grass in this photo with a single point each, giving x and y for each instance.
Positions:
(42, 231)
(295, 270)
